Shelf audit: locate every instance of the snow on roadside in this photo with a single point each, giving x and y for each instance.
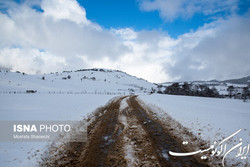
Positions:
(211, 119)
(41, 107)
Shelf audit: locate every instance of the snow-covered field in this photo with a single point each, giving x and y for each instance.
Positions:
(49, 106)
(212, 119)
(40, 107)
(74, 97)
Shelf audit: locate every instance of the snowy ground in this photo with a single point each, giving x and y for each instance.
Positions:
(41, 107)
(212, 119)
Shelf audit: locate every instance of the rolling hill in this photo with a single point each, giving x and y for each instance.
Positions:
(80, 81)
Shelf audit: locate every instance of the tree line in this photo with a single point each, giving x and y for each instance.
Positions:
(190, 90)
(244, 93)
(202, 90)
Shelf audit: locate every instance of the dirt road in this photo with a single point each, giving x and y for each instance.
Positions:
(123, 133)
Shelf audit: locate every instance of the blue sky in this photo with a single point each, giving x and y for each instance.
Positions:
(158, 40)
(121, 14)
(127, 13)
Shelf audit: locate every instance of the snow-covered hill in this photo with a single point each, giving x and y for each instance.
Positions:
(93, 81)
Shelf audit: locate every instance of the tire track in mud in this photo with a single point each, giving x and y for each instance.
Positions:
(124, 136)
(136, 145)
(161, 140)
(104, 138)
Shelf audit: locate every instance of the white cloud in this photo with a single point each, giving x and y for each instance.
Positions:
(27, 28)
(219, 51)
(33, 42)
(64, 9)
(172, 9)
(30, 60)
(125, 33)
(149, 52)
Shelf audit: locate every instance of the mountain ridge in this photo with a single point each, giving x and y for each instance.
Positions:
(243, 80)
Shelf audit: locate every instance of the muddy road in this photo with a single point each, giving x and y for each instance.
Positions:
(123, 133)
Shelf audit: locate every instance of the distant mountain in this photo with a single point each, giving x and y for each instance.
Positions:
(244, 80)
